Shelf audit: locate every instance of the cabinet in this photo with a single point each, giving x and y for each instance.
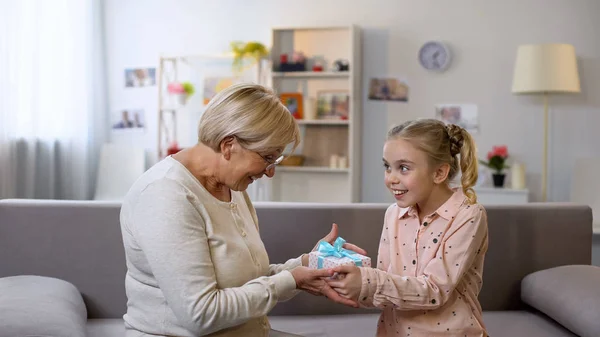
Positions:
(327, 133)
(501, 196)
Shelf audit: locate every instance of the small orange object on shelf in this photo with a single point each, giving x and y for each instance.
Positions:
(293, 160)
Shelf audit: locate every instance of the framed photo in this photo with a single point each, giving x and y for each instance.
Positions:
(128, 119)
(333, 104)
(463, 115)
(388, 89)
(140, 77)
(213, 85)
(293, 102)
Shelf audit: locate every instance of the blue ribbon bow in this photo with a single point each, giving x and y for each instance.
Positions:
(325, 249)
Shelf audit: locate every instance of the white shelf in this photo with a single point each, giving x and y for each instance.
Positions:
(313, 169)
(300, 28)
(309, 74)
(321, 139)
(500, 190)
(322, 122)
(501, 196)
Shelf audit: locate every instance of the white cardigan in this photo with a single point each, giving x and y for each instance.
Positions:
(196, 266)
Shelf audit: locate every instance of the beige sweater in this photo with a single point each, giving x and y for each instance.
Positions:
(196, 266)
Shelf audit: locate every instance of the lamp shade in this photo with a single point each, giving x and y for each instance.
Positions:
(546, 68)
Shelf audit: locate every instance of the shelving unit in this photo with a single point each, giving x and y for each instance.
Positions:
(167, 112)
(308, 74)
(178, 122)
(322, 122)
(318, 169)
(316, 181)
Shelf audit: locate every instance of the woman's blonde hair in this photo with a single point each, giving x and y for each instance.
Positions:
(443, 143)
(253, 114)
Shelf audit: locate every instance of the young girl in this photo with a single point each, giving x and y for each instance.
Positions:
(431, 254)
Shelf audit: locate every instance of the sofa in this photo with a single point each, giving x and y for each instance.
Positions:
(59, 256)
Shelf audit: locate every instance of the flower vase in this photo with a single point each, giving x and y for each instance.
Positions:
(182, 99)
(498, 179)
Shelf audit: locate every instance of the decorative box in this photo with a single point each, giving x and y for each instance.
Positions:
(327, 256)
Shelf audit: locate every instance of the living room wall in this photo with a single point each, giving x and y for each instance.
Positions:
(483, 36)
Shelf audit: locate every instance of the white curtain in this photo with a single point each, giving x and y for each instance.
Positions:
(51, 98)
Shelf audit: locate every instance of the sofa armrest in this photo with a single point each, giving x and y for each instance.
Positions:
(568, 294)
(41, 306)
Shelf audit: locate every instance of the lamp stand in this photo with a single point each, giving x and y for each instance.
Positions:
(545, 166)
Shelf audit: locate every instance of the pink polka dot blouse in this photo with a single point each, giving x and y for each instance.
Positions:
(429, 271)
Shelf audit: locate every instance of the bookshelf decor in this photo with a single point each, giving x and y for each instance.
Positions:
(333, 104)
(294, 102)
(315, 71)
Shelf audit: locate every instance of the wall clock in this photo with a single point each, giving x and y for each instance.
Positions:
(435, 55)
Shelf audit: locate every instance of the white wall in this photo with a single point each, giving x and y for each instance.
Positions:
(483, 35)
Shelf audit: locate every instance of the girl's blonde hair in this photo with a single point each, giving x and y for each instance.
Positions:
(253, 114)
(443, 143)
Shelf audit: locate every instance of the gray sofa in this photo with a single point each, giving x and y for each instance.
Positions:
(80, 242)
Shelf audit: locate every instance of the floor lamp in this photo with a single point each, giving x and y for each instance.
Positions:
(545, 69)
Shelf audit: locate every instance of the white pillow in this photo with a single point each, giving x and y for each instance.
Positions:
(568, 294)
(40, 306)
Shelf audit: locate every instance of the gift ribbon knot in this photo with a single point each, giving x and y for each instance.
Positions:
(325, 249)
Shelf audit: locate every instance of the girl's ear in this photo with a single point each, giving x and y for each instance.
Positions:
(441, 173)
(226, 147)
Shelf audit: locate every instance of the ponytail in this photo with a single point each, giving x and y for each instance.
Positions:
(461, 143)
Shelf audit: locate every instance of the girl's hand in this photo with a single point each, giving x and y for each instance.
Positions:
(313, 282)
(349, 282)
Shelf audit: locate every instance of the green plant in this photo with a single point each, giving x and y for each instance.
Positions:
(241, 50)
(496, 159)
(188, 88)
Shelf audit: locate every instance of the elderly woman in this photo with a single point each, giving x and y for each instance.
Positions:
(196, 263)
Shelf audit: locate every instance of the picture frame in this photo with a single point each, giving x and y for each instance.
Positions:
(128, 119)
(140, 77)
(388, 89)
(463, 115)
(333, 104)
(293, 101)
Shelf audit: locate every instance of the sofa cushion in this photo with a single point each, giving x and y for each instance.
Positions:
(568, 294)
(498, 324)
(40, 306)
(326, 325)
(513, 323)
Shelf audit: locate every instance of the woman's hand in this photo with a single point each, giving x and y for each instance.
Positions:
(313, 282)
(330, 238)
(333, 235)
(349, 282)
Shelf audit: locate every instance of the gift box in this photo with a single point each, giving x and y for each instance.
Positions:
(327, 256)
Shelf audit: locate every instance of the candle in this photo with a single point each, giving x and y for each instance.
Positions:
(333, 161)
(518, 176)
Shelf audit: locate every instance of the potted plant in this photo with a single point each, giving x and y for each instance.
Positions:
(182, 90)
(496, 160)
(254, 50)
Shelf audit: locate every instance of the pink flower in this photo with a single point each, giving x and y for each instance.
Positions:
(500, 151)
(175, 88)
